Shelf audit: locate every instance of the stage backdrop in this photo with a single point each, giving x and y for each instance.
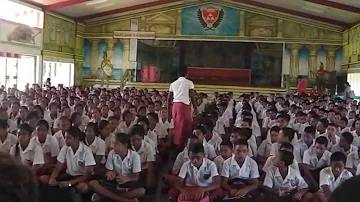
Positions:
(210, 19)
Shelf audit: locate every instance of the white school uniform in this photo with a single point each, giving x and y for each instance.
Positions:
(84, 122)
(337, 148)
(219, 162)
(209, 150)
(270, 163)
(303, 147)
(312, 160)
(330, 144)
(32, 154)
(148, 140)
(292, 181)
(232, 170)
(74, 161)
(147, 154)
(352, 160)
(50, 120)
(131, 164)
(97, 147)
(160, 131)
(180, 89)
(123, 128)
(60, 138)
(358, 170)
(166, 124)
(264, 148)
(253, 145)
(153, 137)
(50, 145)
(10, 141)
(215, 141)
(219, 128)
(327, 178)
(181, 158)
(275, 150)
(201, 177)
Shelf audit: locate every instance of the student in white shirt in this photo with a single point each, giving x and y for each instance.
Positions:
(7, 140)
(76, 120)
(52, 114)
(240, 173)
(150, 137)
(331, 135)
(28, 153)
(200, 133)
(64, 125)
(285, 135)
(197, 177)
(123, 170)
(307, 140)
(106, 135)
(265, 147)
(331, 177)
(243, 133)
(79, 162)
(126, 123)
(345, 144)
(211, 136)
(79, 108)
(147, 155)
(270, 160)
(226, 149)
(65, 111)
(94, 142)
(282, 181)
(315, 159)
(352, 161)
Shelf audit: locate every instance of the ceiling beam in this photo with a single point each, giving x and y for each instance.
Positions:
(294, 12)
(336, 5)
(63, 4)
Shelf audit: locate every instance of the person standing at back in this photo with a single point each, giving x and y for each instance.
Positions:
(181, 94)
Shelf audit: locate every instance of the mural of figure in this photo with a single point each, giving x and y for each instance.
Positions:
(105, 69)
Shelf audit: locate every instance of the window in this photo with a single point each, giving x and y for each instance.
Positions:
(59, 73)
(354, 81)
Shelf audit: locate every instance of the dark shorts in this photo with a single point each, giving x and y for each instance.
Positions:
(113, 186)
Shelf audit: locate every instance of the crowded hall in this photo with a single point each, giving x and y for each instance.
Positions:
(179, 101)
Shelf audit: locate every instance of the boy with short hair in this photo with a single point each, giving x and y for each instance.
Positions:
(200, 132)
(285, 135)
(270, 160)
(243, 133)
(240, 173)
(345, 144)
(308, 140)
(331, 177)
(265, 146)
(331, 135)
(226, 148)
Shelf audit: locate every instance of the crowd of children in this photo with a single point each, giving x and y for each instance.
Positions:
(112, 145)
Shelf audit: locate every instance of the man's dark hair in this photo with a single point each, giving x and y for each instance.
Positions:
(348, 137)
(17, 183)
(338, 156)
(289, 133)
(137, 130)
(322, 140)
(310, 130)
(241, 142)
(196, 148)
(287, 157)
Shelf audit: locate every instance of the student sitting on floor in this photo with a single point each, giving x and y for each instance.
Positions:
(345, 144)
(97, 146)
(240, 173)
(150, 137)
(198, 177)
(64, 126)
(352, 161)
(242, 133)
(200, 132)
(265, 146)
(307, 140)
(315, 159)
(7, 139)
(226, 149)
(331, 177)
(270, 160)
(285, 135)
(79, 162)
(121, 180)
(29, 154)
(283, 183)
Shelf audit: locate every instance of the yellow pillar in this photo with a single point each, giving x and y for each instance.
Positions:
(110, 49)
(94, 56)
(178, 22)
(294, 60)
(313, 64)
(330, 58)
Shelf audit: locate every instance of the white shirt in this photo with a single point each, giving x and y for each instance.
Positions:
(352, 160)
(275, 150)
(232, 170)
(153, 137)
(123, 128)
(60, 138)
(312, 160)
(327, 178)
(215, 141)
(76, 162)
(209, 150)
(219, 161)
(32, 155)
(264, 148)
(166, 124)
(292, 181)
(201, 177)
(131, 164)
(270, 163)
(160, 131)
(10, 141)
(181, 158)
(50, 146)
(358, 170)
(97, 146)
(180, 89)
(330, 144)
(337, 148)
(147, 154)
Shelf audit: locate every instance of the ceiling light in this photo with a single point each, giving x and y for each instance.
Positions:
(94, 2)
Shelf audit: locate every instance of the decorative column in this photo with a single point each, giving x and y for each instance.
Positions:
(242, 23)
(330, 58)
(94, 56)
(313, 64)
(179, 22)
(126, 72)
(280, 28)
(294, 60)
(110, 49)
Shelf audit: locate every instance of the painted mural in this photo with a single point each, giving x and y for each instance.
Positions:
(107, 64)
(210, 19)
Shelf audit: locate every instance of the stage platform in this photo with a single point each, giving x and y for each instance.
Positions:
(208, 89)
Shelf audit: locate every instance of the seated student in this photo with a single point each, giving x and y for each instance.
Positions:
(7, 140)
(64, 127)
(246, 124)
(200, 132)
(345, 144)
(28, 154)
(155, 126)
(331, 177)
(76, 120)
(114, 122)
(243, 133)
(343, 124)
(150, 137)
(283, 182)
(106, 135)
(65, 112)
(226, 148)
(352, 161)
(126, 123)
(315, 159)
(147, 155)
(95, 143)
(300, 123)
(270, 160)
(79, 162)
(123, 169)
(164, 120)
(194, 186)
(211, 136)
(307, 140)
(265, 147)
(240, 173)
(49, 145)
(285, 135)
(331, 135)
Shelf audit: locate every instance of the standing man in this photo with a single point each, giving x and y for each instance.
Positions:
(181, 93)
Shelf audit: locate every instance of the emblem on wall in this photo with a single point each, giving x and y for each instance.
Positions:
(210, 17)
